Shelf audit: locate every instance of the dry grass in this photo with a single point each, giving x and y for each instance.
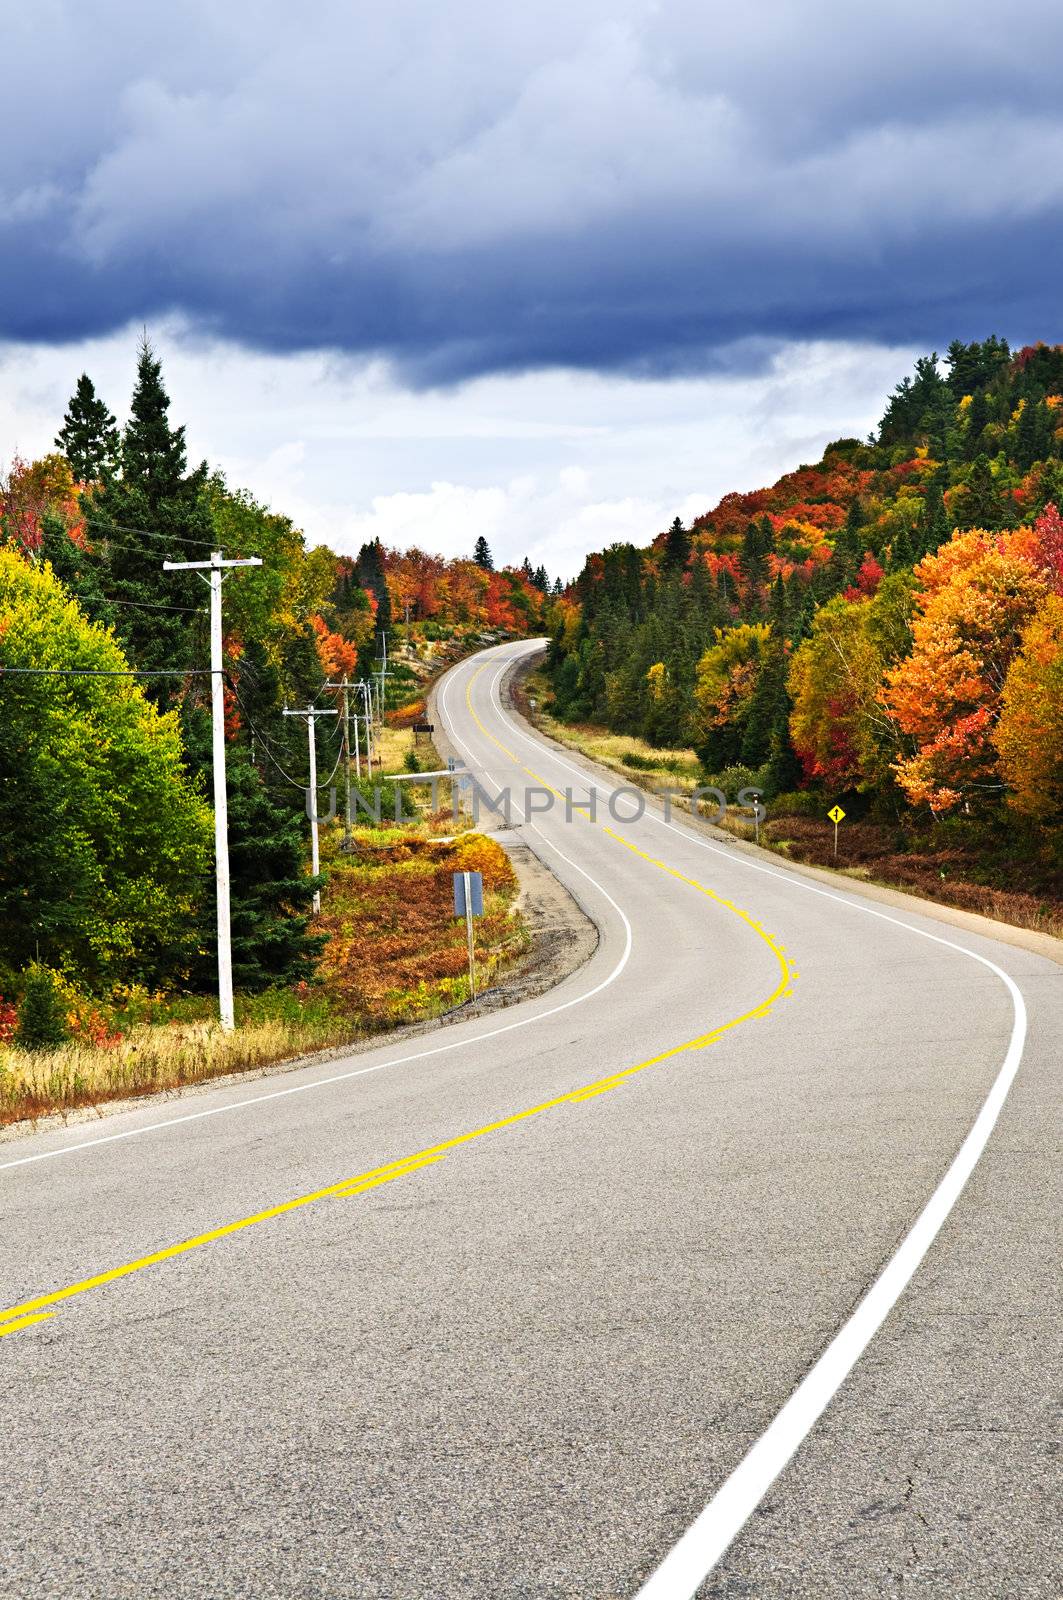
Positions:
(633, 758)
(396, 954)
(152, 1058)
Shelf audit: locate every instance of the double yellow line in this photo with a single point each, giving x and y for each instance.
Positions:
(40, 1308)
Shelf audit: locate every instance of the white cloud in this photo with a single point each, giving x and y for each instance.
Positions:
(548, 465)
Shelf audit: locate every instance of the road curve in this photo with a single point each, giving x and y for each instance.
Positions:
(504, 1310)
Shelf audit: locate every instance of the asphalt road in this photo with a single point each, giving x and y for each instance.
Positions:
(523, 1364)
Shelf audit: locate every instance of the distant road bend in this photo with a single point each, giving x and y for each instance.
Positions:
(730, 1266)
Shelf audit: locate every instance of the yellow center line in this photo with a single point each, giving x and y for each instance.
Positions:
(30, 1312)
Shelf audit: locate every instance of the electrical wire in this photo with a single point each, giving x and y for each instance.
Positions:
(143, 605)
(106, 672)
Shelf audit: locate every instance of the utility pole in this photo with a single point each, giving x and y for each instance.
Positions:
(217, 566)
(382, 674)
(311, 713)
(366, 691)
(345, 748)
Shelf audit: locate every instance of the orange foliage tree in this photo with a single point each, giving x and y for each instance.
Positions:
(977, 594)
(34, 490)
(336, 654)
(1029, 734)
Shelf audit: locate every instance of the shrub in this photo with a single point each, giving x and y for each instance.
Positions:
(42, 1023)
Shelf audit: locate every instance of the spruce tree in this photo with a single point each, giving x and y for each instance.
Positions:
(372, 576)
(676, 546)
(482, 555)
(932, 529)
(271, 894)
(89, 435)
(154, 510)
(42, 1021)
(981, 505)
(977, 418)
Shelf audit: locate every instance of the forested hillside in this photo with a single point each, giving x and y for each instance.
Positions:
(884, 625)
(105, 700)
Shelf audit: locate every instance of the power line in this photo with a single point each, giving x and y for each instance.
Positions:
(149, 533)
(143, 605)
(106, 672)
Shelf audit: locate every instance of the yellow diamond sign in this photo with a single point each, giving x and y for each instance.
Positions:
(836, 814)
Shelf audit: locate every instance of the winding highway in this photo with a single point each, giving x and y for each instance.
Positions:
(730, 1266)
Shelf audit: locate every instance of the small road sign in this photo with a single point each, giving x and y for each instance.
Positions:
(836, 815)
(468, 894)
(469, 903)
(424, 727)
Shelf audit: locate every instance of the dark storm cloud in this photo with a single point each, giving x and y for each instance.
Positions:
(462, 190)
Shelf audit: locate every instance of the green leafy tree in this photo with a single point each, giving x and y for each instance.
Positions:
(106, 844)
(89, 435)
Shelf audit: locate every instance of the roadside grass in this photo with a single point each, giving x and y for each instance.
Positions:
(933, 867)
(627, 754)
(395, 954)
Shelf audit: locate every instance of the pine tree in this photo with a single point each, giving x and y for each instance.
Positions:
(540, 580)
(482, 555)
(372, 575)
(932, 529)
(153, 511)
(1033, 435)
(271, 894)
(42, 1021)
(89, 435)
(977, 418)
(559, 587)
(784, 770)
(981, 505)
(676, 546)
(901, 552)
(757, 544)
(778, 607)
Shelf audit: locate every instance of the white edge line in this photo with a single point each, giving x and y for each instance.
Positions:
(380, 1066)
(692, 1558)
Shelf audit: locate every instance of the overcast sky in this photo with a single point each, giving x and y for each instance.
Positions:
(550, 273)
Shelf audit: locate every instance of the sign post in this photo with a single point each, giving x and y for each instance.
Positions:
(836, 815)
(469, 902)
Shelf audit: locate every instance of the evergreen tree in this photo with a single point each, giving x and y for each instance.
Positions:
(977, 418)
(153, 511)
(982, 506)
(1033, 434)
(932, 529)
(559, 587)
(76, 568)
(753, 562)
(527, 569)
(784, 771)
(540, 580)
(89, 435)
(271, 895)
(372, 575)
(778, 607)
(42, 1021)
(482, 555)
(901, 552)
(676, 546)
